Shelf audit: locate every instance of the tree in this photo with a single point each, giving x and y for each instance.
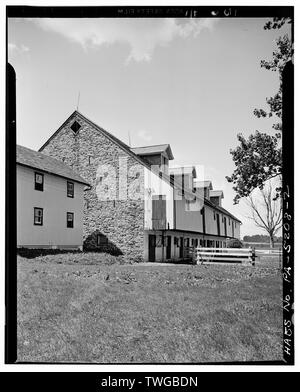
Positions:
(257, 159)
(277, 23)
(260, 238)
(281, 56)
(266, 211)
(234, 243)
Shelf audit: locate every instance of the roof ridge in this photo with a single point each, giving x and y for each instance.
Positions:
(152, 145)
(128, 149)
(102, 129)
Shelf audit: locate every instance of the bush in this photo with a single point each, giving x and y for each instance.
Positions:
(234, 243)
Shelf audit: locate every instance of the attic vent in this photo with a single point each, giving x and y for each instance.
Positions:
(75, 126)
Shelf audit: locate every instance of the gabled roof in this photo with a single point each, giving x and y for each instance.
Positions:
(42, 162)
(183, 170)
(216, 194)
(77, 114)
(154, 150)
(203, 184)
(126, 148)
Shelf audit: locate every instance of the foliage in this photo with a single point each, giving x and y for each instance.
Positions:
(260, 238)
(234, 243)
(257, 159)
(277, 23)
(281, 56)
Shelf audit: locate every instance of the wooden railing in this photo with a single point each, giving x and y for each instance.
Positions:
(274, 252)
(233, 255)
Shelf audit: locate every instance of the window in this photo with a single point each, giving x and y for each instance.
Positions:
(175, 241)
(38, 181)
(70, 189)
(70, 219)
(75, 126)
(164, 165)
(91, 159)
(189, 203)
(101, 240)
(38, 216)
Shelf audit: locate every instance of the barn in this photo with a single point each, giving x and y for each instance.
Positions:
(137, 205)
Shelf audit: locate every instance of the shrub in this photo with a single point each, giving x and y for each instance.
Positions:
(234, 243)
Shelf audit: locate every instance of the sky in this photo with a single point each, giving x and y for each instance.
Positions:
(192, 83)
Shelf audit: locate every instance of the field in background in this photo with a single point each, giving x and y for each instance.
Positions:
(94, 308)
(261, 245)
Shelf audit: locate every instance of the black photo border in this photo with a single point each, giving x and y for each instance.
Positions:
(287, 150)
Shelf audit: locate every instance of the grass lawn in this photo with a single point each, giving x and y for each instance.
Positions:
(88, 308)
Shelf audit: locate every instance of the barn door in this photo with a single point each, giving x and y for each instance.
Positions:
(218, 224)
(152, 243)
(225, 226)
(159, 220)
(181, 248)
(169, 240)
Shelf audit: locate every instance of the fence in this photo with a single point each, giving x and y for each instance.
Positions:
(272, 252)
(270, 256)
(233, 255)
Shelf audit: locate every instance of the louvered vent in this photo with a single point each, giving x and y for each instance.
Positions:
(75, 126)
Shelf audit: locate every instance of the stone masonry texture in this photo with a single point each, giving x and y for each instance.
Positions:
(119, 222)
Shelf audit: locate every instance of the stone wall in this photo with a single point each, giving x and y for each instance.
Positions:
(119, 222)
